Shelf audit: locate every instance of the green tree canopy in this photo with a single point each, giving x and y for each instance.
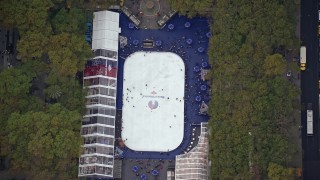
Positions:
(25, 14)
(68, 54)
(14, 82)
(15, 97)
(192, 7)
(250, 94)
(46, 142)
(69, 21)
(32, 44)
(278, 172)
(274, 65)
(71, 93)
(90, 4)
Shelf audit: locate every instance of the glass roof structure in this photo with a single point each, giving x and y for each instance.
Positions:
(194, 164)
(100, 78)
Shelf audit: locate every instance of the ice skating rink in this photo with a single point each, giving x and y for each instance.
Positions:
(153, 101)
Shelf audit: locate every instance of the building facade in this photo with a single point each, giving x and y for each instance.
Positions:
(100, 79)
(194, 164)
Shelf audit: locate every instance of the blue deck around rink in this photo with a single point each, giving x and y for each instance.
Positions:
(172, 41)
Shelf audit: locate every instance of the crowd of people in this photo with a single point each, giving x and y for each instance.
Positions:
(174, 41)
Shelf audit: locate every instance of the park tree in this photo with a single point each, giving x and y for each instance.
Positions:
(90, 4)
(15, 97)
(252, 99)
(34, 68)
(75, 99)
(59, 90)
(15, 92)
(46, 143)
(278, 172)
(32, 45)
(43, 139)
(53, 92)
(14, 82)
(25, 14)
(68, 54)
(99, 4)
(192, 8)
(69, 21)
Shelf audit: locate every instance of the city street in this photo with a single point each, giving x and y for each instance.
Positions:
(309, 89)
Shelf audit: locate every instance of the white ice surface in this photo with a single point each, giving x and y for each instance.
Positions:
(159, 129)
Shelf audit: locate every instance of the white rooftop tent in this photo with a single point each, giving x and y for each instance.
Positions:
(106, 30)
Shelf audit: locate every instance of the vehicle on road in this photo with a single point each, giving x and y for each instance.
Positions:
(303, 58)
(309, 120)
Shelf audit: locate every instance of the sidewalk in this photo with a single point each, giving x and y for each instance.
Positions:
(148, 17)
(294, 131)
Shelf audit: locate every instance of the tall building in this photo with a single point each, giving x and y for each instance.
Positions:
(195, 164)
(100, 79)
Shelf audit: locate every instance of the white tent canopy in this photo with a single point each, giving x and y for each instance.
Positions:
(106, 30)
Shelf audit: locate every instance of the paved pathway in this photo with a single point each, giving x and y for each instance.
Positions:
(148, 16)
(145, 167)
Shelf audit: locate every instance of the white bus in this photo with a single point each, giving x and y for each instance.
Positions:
(309, 122)
(303, 58)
